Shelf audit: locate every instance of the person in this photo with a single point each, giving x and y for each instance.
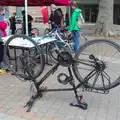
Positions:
(74, 27)
(62, 17)
(30, 19)
(3, 26)
(55, 16)
(13, 23)
(67, 19)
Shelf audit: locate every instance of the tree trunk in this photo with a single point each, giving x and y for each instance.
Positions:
(104, 24)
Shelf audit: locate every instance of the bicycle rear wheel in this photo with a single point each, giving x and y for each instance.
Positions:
(26, 60)
(83, 39)
(100, 60)
(54, 48)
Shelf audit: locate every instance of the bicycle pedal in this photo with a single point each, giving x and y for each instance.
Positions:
(83, 105)
(96, 91)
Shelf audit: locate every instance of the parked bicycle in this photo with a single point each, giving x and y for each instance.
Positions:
(96, 67)
(33, 31)
(67, 35)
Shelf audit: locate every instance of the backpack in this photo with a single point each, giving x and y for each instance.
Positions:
(80, 21)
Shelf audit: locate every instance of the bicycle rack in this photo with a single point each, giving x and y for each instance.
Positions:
(66, 60)
(95, 91)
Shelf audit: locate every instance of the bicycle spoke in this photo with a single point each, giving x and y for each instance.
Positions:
(95, 80)
(103, 80)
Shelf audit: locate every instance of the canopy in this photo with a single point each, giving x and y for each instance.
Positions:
(21, 3)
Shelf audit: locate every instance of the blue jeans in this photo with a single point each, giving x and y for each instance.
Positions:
(76, 38)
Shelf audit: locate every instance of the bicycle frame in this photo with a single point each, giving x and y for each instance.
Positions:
(54, 32)
(70, 80)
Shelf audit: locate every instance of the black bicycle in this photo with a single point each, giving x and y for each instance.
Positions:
(96, 67)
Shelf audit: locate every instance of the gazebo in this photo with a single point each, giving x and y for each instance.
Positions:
(26, 3)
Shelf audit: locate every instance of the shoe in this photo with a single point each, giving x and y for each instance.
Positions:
(3, 71)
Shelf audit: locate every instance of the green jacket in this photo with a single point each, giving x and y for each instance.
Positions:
(73, 22)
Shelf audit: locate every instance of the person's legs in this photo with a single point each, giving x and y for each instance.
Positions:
(2, 63)
(76, 38)
(13, 31)
(1, 52)
(29, 30)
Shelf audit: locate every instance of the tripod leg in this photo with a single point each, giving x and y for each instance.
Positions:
(79, 99)
(32, 100)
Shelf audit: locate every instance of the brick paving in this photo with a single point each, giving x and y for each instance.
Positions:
(54, 105)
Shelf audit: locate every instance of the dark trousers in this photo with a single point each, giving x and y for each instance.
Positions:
(29, 29)
(1, 52)
(13, 31)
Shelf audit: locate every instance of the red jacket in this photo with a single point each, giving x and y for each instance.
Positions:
(3, 26)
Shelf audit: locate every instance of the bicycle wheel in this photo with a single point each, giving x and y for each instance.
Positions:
(35, 31)
(83, 39)
(54, 48)
(19, 31)
(98, 61)
(27, 61)
(47, 30)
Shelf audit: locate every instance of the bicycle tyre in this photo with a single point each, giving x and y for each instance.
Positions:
(52, 49)
(35, 29)
(47, 30)
(79, 76)
(83, 39)
(41, 56)
(19, 31)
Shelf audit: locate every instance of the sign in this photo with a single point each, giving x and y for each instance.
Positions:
(44, 12)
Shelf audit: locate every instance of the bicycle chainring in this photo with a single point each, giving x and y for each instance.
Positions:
(65, 59)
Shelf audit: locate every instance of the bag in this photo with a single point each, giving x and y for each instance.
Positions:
(80, 21)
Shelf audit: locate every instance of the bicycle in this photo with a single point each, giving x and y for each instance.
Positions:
(97, 59)
(68, 35)
(33, 31)
(61, 44)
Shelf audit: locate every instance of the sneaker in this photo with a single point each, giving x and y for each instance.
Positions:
(3, 71)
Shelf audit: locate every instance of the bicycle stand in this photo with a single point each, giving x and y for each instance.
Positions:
(68, 79)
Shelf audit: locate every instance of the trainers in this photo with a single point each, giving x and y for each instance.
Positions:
(3, 71)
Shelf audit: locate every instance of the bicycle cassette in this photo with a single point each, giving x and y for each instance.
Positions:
(65, 59)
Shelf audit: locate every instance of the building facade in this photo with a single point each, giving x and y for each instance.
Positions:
(90, 10)
(35, 12)
(91, 7)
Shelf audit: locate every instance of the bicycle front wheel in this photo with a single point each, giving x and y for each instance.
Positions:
(25, 59)
(98, 61)
(54, 48)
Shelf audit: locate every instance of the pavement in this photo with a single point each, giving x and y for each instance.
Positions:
(54, 105)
